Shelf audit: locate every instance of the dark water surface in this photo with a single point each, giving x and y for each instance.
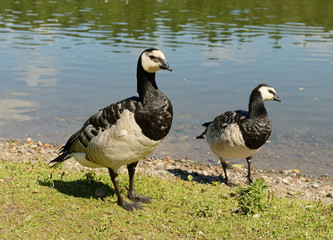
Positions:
(62, 60)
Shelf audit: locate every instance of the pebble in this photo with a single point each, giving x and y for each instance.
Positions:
(286, 172)
(324, 176)
(316, 184)
(329, 195)
(292, 193)
(285, 181)
(201, 233)
(323, 192)
(278, 179)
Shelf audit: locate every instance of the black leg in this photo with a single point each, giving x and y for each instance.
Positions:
(249, 177)
(131, 195)
(128, 206)
(224, 165)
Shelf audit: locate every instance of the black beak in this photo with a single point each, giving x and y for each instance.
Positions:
(276, 98)
(165, 65)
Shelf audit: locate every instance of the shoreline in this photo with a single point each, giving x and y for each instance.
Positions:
(285, 183)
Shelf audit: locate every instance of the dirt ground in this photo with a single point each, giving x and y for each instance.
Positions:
(285, 183)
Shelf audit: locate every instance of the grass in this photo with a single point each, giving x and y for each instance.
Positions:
(37, 202)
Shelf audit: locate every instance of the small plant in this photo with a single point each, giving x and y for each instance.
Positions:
(91, 177)
(190, 178)
(254, 198)
(49, 181)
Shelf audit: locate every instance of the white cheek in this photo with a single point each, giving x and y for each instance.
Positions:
(266, 95)
(149, 65)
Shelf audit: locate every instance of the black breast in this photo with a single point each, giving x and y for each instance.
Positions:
(255, 132)
(155, 118)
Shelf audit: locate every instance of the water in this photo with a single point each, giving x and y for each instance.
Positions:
(62, 60)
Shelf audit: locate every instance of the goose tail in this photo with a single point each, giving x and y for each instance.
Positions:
(63, 156)
(202, 135)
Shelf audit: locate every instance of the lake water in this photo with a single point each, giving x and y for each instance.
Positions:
(62, 60)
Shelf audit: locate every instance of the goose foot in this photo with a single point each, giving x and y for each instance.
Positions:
(136, 198)
(130, 206)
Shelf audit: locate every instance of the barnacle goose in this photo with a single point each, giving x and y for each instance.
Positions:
(124, 132)
(240, 134)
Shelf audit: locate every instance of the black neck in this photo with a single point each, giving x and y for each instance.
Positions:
(256, 106)
(146, 82)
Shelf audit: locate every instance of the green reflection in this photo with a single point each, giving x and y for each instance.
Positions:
(215, 21)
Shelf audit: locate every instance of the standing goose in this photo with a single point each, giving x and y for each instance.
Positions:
(126, 131)
(240, 134)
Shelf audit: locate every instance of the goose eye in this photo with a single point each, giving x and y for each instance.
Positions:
(152, 57)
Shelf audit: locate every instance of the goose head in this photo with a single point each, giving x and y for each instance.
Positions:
(268, 93)
(153, 60)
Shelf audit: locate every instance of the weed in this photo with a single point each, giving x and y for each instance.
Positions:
(254, 198)
(49, 181)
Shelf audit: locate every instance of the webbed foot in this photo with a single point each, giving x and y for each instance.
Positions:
(130, 206)
(136, 198)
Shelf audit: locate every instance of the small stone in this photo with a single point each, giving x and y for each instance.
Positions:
(235, 210)
(201, 233)
(316, 185)
(278, 179)
(285, 181)
(329, 195)
(324, 176)
(29, 140)
(286, 172)
(266, 178)
(292, 193)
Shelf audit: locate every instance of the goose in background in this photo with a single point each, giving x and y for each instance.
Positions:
(240, 134)
(125, 132)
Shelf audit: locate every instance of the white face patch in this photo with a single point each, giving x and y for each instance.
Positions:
(151, 60)
(267, 93)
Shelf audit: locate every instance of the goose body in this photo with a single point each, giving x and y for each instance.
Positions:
(125, 132)
(120, 144)
(240, 134)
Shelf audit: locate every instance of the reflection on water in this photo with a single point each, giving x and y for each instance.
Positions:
(16, 110)
(72, 57)
(38, 71)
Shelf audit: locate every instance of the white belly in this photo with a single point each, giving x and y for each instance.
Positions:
(122, 144)
(228, 143)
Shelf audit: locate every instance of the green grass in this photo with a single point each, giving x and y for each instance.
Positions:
(37, 202)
